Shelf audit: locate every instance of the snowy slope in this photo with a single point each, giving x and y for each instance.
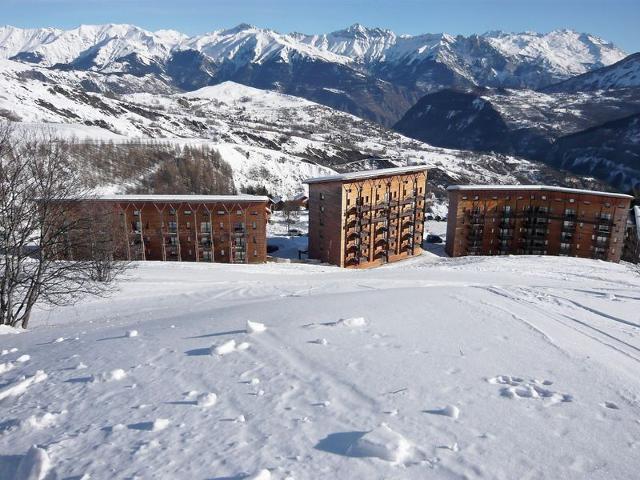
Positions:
(431, 368)
(270, 139)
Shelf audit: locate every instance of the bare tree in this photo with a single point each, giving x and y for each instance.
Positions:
(42, 228)
(291, 212)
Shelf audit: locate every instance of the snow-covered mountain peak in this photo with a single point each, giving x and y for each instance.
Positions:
(622, 74)
(256, 45)
(566, 52)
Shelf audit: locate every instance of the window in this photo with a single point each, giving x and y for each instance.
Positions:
(255, 253)
(221, 225)
(222, 252)
(238, 212)
(187, 212)
(220, 212)
(254, 225)
(322, 196)
(205, 227)
(136, 213)
(173, 227)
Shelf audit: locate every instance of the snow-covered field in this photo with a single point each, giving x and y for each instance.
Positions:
(501, 368)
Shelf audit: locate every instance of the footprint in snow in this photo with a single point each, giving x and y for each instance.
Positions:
(611, 405)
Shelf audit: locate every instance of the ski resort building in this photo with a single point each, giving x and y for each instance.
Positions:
(188, 228)
(536, 220)
(368, 218)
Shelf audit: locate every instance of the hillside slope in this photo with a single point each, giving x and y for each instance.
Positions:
(610, 151)
(516, 122)
(270, 140)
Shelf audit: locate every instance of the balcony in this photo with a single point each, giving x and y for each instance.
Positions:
(533, 243)
(352, 249)
(535, 221)
(535, 233)
(476, 220)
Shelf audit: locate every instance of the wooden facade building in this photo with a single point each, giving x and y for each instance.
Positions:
(191, 228)
(536, 220)
(368, 218)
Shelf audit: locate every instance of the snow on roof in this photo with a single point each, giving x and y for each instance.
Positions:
(180, 198)
(381, 172)
(537, 187)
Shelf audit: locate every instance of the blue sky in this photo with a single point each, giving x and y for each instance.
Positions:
(614, 20)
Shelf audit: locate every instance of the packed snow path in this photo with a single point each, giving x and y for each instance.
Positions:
(501, 368)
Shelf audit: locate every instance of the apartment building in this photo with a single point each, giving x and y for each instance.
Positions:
(536, 220)
(367, 218)
(188, 228)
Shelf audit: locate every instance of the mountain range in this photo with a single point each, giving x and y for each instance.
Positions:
(513, 97)
(370, 72)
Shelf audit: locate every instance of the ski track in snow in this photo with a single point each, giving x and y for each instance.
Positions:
(430, 368)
